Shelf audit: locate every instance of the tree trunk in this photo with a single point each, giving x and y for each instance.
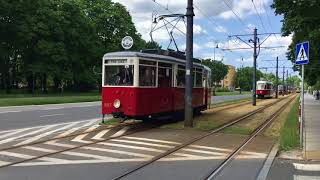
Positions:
(44, 83)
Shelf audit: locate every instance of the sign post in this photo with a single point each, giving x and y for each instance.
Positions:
(302, 58)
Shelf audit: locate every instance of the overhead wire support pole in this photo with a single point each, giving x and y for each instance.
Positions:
(256, 45)
(188, 112)
(254, 81)
(283, 80)
(277, 78)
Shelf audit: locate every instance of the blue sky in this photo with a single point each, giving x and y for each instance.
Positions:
(214, 21)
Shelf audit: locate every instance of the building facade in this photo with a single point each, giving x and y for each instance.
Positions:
(229, 80)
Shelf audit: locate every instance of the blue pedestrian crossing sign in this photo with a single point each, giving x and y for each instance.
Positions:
(302, 53)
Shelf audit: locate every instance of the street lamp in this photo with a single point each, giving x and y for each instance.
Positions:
(214, 52)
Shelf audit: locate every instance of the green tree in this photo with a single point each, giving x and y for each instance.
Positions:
(302, 19)
(60, 41)
(294, 80)
(244, 78)
(218, 70)
(152, 45)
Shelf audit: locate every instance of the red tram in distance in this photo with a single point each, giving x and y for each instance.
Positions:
(264, 89)
(150, 84)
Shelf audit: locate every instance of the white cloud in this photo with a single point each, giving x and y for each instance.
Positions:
(242, 8)
(221, 29)
(273, 41)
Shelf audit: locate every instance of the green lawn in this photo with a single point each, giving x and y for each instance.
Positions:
(26, 99)
(231, 93)
(224, 103)
(289, 135)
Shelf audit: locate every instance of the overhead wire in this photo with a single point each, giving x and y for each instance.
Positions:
(259, 16)
(236, 15)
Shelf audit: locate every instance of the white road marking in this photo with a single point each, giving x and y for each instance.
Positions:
(211, 148)
(268, 163)
(132, 147)
(121, 132)
(49, 115)
(87, 155)
(45, 134)
(80, 137)
(4, 112)
(76, 128)
(17, 155)
(62, 162)
(53, 108)
(307, 167)
(141, 143)
(2, 163)
(39, 149)
(151, 140)
(204, 152)
(191, 158)
(117, 152)
(37, 127)
(54, 143)
(188, 155)
(12, 133)
(30, 133)
(100, 134)
(300, 177)
(25, 156)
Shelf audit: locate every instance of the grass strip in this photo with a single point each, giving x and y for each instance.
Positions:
(231, 93)
(289, 134)
(238, 130)
(47, 100)
(229, 102)
(112, 121)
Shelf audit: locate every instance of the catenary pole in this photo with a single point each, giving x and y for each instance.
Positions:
(277, 77)
(188, 121)
(283, 86)
(254, 80)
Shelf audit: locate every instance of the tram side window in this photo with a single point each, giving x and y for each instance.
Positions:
(165, 75)
(147, 75)
(181, 77)
(119, 75)
(198, 78)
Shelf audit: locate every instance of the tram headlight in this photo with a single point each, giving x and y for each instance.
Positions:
(116, 103)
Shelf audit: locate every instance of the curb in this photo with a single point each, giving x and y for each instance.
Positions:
(268, 162)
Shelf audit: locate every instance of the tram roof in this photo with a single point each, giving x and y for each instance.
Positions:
(150, 56)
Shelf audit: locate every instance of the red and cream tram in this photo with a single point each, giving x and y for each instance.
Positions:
(264, 89)
(150, 84)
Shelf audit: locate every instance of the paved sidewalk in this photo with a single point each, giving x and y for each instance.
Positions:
(312, 127)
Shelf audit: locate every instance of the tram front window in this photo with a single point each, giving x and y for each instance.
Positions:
(261, 86)
(120, 75)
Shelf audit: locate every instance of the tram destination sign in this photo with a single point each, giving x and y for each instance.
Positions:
(115, 61)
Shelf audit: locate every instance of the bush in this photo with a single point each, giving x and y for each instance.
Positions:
(222, 89)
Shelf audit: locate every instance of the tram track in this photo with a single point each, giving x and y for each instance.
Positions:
(213, 173)
(196, 139)
(232, 105)
(138, 128)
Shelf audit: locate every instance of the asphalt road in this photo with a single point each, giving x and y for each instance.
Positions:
(106, 161)
(38, 115)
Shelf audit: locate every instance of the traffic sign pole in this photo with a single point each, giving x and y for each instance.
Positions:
(302, 109)
(302, 58)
